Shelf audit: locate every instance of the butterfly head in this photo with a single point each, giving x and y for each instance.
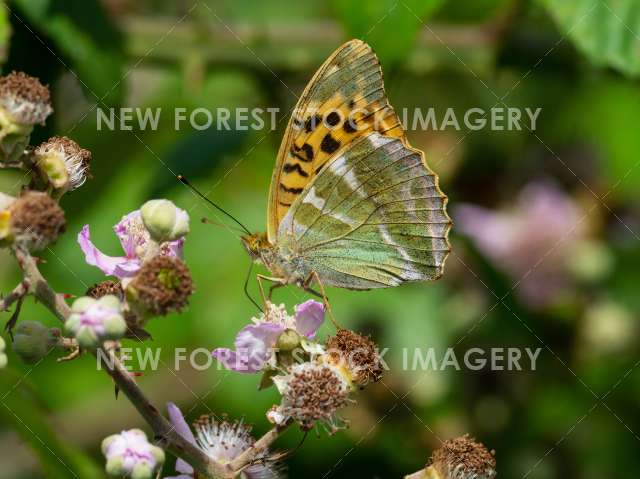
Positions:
(255, 244)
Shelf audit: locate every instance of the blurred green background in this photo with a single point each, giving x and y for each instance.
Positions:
(563, 278)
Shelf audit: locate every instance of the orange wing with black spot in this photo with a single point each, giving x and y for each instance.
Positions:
(344, 100)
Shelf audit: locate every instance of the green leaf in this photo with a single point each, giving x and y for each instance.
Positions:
(390, 26)
(606, 31)
(83, 39)
(23, 411)
(5, 34)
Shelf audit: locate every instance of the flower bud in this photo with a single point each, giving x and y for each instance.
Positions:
(24, 102)
(288, 340)
(32, 341)
(95, 320)
(162, 285)
(3, 356)
(62, 163)
(164, 220)
(34, 220)
(130, 454)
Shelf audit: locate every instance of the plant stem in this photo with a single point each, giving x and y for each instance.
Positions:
(42, 291)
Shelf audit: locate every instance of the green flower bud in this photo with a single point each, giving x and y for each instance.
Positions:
(33, 341)
(142, 470)
(158, 454)
(164, 221)
(106, 442)
(115, 466)
(3, 360)
(288, 340)
(86, 337)
(110, 301)
(115, 327)
(81, 304)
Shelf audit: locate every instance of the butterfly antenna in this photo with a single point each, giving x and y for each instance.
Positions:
(246, 288)
(208, 221)
(185, 182)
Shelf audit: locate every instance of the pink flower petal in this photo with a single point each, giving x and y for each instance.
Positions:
(119, 266)
(254, 346)
(309, 318)
(182, 428)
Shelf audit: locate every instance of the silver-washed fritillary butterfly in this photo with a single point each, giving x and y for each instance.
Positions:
(351, 203)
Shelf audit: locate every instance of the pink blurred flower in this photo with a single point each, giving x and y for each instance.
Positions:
(530, 241)
(256, 343)
(135, 241)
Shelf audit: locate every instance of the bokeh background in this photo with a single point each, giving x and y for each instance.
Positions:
(545, 247)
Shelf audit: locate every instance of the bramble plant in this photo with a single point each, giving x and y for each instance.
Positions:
(315, 378)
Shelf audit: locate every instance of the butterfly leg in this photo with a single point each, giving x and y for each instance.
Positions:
(277, 284)
(325, 299)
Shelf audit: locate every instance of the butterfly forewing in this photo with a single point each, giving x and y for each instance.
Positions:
(373, 217)
(344, 101)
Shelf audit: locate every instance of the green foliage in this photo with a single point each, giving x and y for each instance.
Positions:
(84, 40)
(389, 26)
(606, 31)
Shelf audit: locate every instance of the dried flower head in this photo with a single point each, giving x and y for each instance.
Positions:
(62, 163)
(312, 393)
(222, 441)
(104, 288)
(131, 454)
(24, 99)
(162, 285)
(357, 354)
(35, 220)
(464, 458)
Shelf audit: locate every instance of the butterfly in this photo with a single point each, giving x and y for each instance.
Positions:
(351, 203)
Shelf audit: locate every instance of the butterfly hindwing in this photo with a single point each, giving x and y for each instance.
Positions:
(374, 217)
(344, 101)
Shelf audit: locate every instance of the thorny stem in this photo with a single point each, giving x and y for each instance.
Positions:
(18, 292)
(36, 285)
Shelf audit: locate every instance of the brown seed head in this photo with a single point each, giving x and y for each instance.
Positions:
(163, 285)
(76, 160)
(359, 354)
(464, 458)
(25, 98)
(104, 288)
(36, 220)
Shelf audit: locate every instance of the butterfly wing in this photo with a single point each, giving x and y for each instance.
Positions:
(344, 100)
(374, 217)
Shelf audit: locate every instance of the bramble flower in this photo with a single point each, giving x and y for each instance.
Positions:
(256, 344)
(163, 285)
(62, 163)
(462, 458)
(357, 355)
(95, 320)
(3, 355)
(312, 392)
(222, 441)
(164, 220)
(531, 241)
(24, 102)
(130, 454)
(136, 243)
(32, 341)
(34, 220)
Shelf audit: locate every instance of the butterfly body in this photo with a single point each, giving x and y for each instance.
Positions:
(351, 203)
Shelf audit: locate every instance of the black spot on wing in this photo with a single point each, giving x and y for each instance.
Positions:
(311, 123)
(333, 118)
(291, 167)
(350, 126)
(295, 191)
(329, 144)
(308, 150)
